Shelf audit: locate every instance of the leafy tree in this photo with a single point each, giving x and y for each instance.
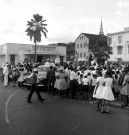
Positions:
(35, 29)
(102, 50)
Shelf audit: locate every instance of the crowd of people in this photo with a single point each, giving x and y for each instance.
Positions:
(98, 84)
(15, 73)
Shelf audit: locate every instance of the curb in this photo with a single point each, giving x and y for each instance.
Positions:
(118, 104)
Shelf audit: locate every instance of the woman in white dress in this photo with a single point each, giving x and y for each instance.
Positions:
(98, 90)
(107, 94)
(61, 83)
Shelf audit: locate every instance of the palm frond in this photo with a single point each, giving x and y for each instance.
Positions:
(32, 20)
(45, 29)
(44, 34)
(43, 24)
(37, 17)
(30, 23)
(43, 21)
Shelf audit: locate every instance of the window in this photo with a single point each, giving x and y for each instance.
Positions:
(119, 60)
(119, 49)
(128, 49)
(82, 37)
(111, 50)
(80, 54)
(12, 59)
(109, 40)
(84, 44)
(119, 39)
(84, 55)
(77, 45)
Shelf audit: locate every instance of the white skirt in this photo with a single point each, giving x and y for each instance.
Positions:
(107, 93)
(98, 92)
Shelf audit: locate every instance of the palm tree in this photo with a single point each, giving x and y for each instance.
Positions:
(35, 29)
(102, 50)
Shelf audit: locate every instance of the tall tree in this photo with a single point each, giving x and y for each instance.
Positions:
(35, 29)
(102, 50)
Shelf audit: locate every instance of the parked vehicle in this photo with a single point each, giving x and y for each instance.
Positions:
(41, 76)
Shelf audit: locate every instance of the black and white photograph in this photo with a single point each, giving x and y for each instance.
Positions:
(64, 67)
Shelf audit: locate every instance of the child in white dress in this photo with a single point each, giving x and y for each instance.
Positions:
(107, 94)
(98, 90)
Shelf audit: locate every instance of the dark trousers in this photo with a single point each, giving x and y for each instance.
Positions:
(79, 91)
(85, 90)
(73, 88)
(51, 83)
(34, 89)
(125, 100)
(8, 79)
(91, 90)
(99, 104)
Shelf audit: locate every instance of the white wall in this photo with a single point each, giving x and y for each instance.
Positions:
(125, 52)
(62, 50)
(21, 51)
(83, 49)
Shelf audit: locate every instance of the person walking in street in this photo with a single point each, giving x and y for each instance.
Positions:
(51, 80)
(125, 89)
(107, 94)
(6, 73)
(33, 76)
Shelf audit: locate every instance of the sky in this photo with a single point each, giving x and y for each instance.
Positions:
(66, 19)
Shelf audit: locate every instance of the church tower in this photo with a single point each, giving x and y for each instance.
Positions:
(101, 28)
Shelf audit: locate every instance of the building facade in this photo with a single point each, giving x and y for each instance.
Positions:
(14, 53)
(82, 47)
(119, 41)
(85, 43)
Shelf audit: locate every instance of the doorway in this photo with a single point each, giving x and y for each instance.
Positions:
(12, 59)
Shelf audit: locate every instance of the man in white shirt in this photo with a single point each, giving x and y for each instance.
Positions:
(73, 83)
(85, 88)
(6, 73)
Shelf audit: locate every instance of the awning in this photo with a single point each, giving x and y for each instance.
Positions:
(47, 53)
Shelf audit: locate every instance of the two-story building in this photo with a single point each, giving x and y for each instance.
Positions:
(14, 53)
(119, 41)
(84, 44)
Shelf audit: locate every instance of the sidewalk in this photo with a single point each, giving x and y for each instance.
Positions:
(118, 103)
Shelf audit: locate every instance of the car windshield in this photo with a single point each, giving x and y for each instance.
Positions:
(43, 69)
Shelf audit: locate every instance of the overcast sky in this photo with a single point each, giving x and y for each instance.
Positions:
(66, 19)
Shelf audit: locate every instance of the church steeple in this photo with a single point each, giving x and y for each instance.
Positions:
(101, 28)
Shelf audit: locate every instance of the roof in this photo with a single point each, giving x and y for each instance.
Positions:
(93, 38)
(120, 32)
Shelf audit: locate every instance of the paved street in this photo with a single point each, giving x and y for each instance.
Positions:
(56, 116)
